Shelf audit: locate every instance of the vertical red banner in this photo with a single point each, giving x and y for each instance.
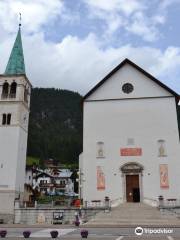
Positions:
(100, 179)
(164, 180)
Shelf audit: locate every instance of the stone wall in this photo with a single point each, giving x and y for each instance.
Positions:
(47, 215)
(6, 218)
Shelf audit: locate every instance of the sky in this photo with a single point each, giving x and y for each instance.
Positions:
(73, 44)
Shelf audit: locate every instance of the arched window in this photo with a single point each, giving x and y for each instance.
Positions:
(13, 90)
(5, 90)
(162, 148)
(100, 150)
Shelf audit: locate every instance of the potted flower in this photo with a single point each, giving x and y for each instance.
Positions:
(3, 233)
(26, 234)
(54, 234)
(84, 233)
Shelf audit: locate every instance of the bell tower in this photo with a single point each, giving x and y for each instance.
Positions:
(15, 90)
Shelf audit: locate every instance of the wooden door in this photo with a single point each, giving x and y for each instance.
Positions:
(132, 188)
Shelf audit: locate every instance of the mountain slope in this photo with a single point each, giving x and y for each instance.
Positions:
(55, 126)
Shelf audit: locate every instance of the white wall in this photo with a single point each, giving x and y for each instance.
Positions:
(146, 121)
(147, 118)
(13, 145)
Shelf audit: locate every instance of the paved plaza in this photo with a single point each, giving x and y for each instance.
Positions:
(119, 224)
(94, 233)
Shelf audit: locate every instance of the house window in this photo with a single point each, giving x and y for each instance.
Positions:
(100, 150)
(13, 90)
(5, 90)
(4, 119)
(8, 119)
(162, 148)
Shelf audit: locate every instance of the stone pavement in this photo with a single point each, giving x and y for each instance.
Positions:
(134, 214)
(107, 238)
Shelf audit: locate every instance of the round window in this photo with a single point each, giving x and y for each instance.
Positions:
(127, 88)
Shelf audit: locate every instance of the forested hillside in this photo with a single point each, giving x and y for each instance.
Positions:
(55, 127)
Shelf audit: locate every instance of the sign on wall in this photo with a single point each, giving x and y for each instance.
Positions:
(131, 151)
(100, 179)
(164, 181)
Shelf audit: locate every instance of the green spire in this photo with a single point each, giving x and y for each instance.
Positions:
(16, 61)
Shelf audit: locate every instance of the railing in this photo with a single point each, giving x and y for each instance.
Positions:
(6, 95)
(41, 185)
(60, 185)
(170, 203)
(12, 95)
(46, 185)
(97, 204)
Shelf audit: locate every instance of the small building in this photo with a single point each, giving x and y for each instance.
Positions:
(52, 181)
(131, 147)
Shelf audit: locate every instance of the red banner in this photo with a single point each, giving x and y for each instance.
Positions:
(131, 151)
(100, 179)
(164, 181)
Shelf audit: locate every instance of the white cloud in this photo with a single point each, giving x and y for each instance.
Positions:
(164, 4)
(78, 64)
(35, 13)
(139, 17)
(142, 26)
(115, 13)
(116, 5)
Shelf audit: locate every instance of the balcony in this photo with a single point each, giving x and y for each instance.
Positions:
(12, 95)
(4, 95)
(8, 96)
(55, 185)
(46, 185)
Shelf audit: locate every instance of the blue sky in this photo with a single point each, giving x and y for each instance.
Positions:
(72, 44)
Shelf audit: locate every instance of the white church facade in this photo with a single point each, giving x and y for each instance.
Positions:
(131, 148)
(15, 90)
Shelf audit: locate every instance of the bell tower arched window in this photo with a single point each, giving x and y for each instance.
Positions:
(13, 90)
(5, 90)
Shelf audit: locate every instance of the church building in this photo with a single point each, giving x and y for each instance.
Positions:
(15, 90)
(131, 147)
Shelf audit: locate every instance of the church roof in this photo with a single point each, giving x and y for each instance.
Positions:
(16, 64)
(140, 70)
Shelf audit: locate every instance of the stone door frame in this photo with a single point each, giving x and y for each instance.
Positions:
(132, 168)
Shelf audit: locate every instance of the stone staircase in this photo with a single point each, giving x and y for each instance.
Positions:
(134, 214)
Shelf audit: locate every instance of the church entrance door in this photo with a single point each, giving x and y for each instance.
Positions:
(132, 188)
